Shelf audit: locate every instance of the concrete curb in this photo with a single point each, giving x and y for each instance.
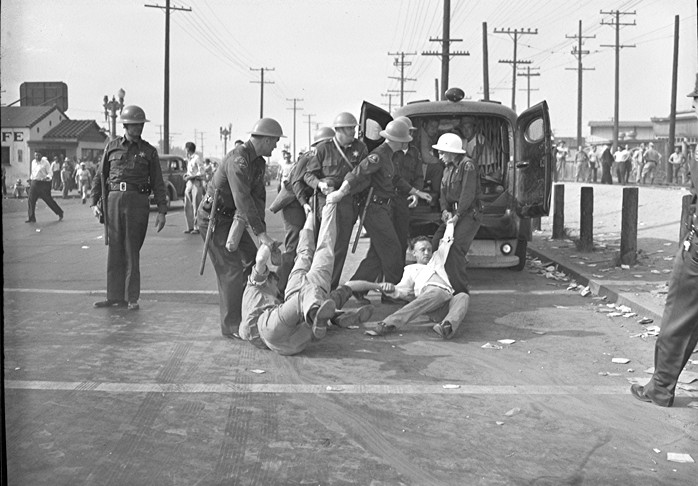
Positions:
(642, 307)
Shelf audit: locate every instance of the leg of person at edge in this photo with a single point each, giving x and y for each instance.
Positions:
(425, 284)
(678, 335)
(130, 168)
(40, 188)
(380, 171)
(193, 192)
(239, 180)
(288, 327)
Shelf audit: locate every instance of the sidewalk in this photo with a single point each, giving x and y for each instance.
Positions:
(642, 286)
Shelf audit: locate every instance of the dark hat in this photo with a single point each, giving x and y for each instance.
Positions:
(694, 94)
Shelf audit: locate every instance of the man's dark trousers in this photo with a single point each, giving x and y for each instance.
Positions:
(128, 222)
(232, 268)
(383, 257)
(41, 190)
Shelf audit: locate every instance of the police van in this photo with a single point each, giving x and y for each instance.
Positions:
(515, 166)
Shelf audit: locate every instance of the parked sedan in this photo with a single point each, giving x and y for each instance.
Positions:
(174, 168)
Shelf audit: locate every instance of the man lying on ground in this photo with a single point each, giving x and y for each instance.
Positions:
(288, 327)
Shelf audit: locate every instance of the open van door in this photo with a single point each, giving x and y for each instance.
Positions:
(534, 162)
(372, 120)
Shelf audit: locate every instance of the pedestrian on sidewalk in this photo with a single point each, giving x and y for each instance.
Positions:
(40, 188)
(581, 164)
(56, 174)
(194, 190)
(606, 164)
(638, 157)
(678, 335)
(130, 170)
(308, 306)
(561, 153)
(66, 179)
(651, 162)
(677, 161)
(621, 161)
(83, 178)
(592, 176)
(426, 286)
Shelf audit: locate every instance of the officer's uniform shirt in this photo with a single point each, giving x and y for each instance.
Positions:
(460, 184)
(240, 181)
(381, 170)
(133, 163)
(41, 170)
(328, 163)
(410, 167)
(302, 191)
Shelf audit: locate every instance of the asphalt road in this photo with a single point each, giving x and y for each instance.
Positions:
(111, 397)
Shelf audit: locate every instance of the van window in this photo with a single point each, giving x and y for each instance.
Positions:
(535, 131)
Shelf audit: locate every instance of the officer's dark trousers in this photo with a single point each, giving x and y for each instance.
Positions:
(606, 177)
(232, 269)
(346, 218)
(463, 236)
(678, 335)
(41, 190)
(128, 222)
(383, 257)
(401, 222)
(293, 217)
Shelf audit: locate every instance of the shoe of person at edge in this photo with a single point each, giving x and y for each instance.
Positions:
(110, 303)
(361, 298)
(322, 318)
(30, 221)
(353, 318)
(133, 305)
(381, 329)
(638, 391)
(444, 329)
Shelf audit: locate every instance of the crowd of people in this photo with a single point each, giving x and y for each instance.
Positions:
(636, 165)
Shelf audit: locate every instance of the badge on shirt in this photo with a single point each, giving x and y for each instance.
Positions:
(468, 166)
(142, 155)
(373, 159)
(355, 153)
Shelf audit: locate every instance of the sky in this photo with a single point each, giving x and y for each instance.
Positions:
(331, 55)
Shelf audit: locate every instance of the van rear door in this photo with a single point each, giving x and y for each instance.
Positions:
(372, 120)
(534, 162)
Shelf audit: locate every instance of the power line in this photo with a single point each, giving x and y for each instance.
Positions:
(579, 52)
(295, 108)
(401, 63)
(261, 83)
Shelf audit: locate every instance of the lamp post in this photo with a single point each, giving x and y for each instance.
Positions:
(110, 108)
(225, 135)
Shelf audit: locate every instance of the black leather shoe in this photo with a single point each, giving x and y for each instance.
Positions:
(30, 221)
(133, 306)
(638, 391)
(444, 329)
(110, 303)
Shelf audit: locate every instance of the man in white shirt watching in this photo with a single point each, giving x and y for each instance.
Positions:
(426, 285)
(194, 191)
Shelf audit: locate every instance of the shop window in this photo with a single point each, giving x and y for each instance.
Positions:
(20, 155)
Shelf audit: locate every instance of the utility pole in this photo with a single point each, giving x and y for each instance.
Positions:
(295, 108)
(528, 74)
(445, 48)
(515, 61)
(166, 116)
(310, 124)
(390, 101)
(672, 115)
(617, 23)
(579, 52)
(261, 85)
(202, 142)
(485, 63)
(401, 63)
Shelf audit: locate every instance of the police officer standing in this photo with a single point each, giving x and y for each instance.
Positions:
(241, 194)
(381, 171)
(130, 169)
(332, 161)
(678, 335)
(460, 204)
(410, 167)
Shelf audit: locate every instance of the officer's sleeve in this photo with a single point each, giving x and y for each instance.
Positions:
(96, 192)
(468, 189)
(362, 172)
(158, 184)
(238, 172)
(313, 172)
(417, 172)
(297, 179)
